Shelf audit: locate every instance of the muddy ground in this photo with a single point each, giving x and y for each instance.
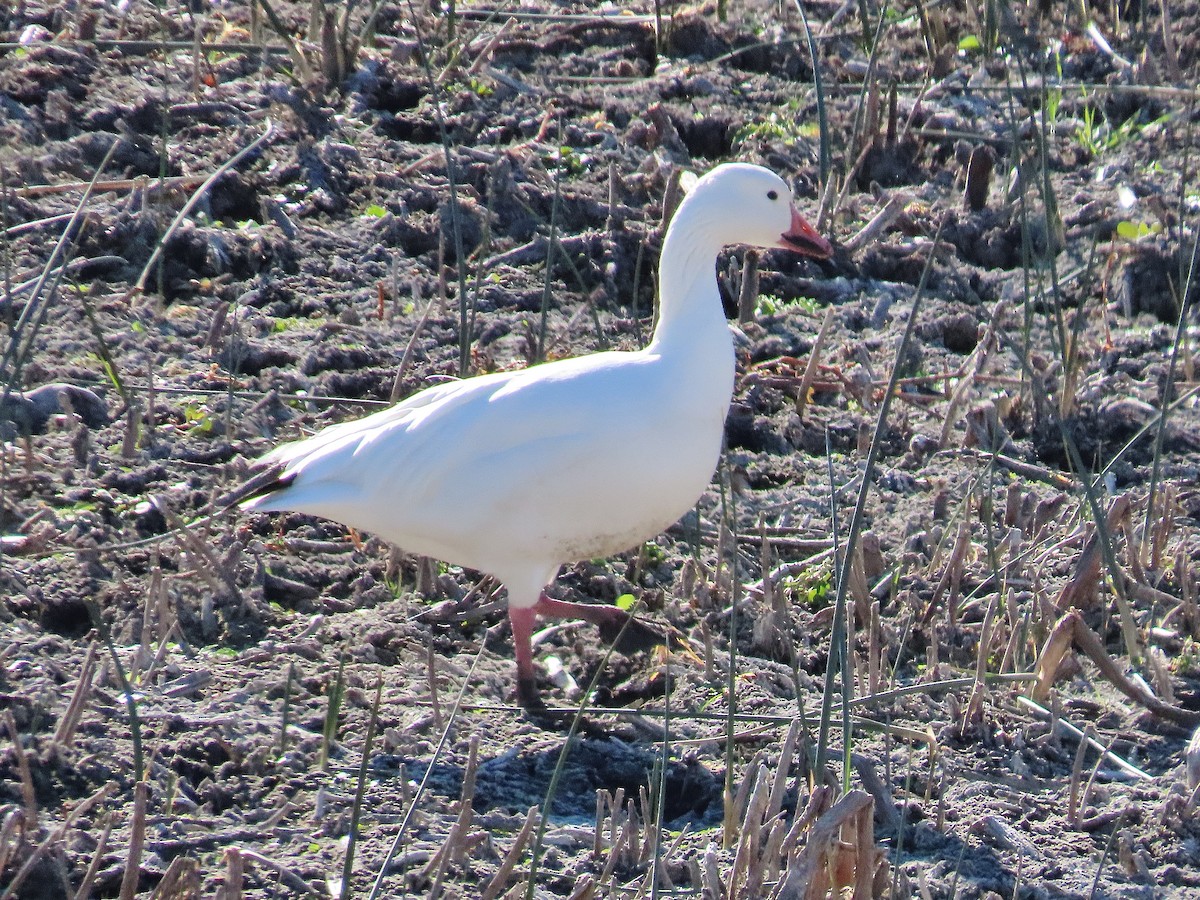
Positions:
(337, 262)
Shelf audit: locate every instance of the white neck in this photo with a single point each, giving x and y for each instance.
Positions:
(689, 302)
(692, 336)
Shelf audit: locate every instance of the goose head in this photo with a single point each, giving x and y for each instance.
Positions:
(740, 203)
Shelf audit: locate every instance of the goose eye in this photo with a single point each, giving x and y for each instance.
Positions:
(772, 195)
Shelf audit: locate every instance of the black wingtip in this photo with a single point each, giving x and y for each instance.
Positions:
(262, 483)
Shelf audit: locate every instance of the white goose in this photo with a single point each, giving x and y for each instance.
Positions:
(516, 473)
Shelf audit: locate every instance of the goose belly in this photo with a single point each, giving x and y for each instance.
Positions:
(622, 496)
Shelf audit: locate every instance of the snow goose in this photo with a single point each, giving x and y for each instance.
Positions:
(516, 473)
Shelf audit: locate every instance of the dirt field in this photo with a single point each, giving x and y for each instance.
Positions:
(187, 692)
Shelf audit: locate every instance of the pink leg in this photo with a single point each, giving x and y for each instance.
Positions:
(521, 620)
(616, 626)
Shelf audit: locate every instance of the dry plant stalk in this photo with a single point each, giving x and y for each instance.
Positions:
(875, 649)
(951, 577)
(880, 222)
(615, 854)
(839, 855)
(1160, 672)
(168, 619)
(64, 734)
(453, 848)
(511, 858)
(1187, 591)
(1081, 591)
(814, 357)
(100, 187)
(746, 862)
(1070, 631)
(870, 120)
(710, 874)
(28, 795)
(89, 877)
(13, 822)
(1134, 863)
(748, 294)
(9, 841)
(972, 368)
(1054, 650)
(410, 348)
(1133, 547)
(585, 890)
(979, 177)
(1014, 498)
(598, 830)
(1073, 800)
(859, 589)
(772, 631)
(1163, 526)
(218, 577)
(1086, 796)
(286, 875)
(615, 803)
(885, 803)
(484, 54)
(819, 801)
(431, 675)
(974, 709)
(1059, 725)
(633, 828)
(181, 881)
(664, 879)
(153, 622)
(137, 840)
(786, 752)
(234, 873)
(650, 833)
(735, 805)
(986, 429)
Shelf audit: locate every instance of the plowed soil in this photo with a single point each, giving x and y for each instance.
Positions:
(187, 691)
